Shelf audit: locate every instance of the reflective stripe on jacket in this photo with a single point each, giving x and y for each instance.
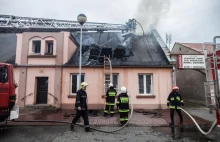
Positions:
(174, 99)
(123, 102)
(110, 96)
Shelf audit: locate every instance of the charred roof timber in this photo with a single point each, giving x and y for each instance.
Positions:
(124, 50)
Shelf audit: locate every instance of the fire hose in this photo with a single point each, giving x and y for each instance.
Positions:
(65, 122)
(199, 128)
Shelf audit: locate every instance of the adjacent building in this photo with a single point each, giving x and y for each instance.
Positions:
(190, 70)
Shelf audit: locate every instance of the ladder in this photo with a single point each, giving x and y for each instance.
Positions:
(18, 24)
(212, 92)
(107, 72)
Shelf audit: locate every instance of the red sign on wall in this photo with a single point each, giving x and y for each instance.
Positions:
(180, 63)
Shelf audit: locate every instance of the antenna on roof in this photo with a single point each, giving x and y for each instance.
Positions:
(168, 40)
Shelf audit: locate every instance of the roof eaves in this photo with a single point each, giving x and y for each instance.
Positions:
(191, 48)
(73, 39)
(124, 66)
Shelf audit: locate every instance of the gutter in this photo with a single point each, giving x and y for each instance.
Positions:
(96, 66)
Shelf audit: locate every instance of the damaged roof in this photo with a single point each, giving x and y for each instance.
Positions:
(8, 43)
(126, 50)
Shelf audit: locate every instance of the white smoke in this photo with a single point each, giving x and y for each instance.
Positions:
(149, 13)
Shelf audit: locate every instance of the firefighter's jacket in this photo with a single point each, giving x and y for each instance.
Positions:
(110, 96)
(81, 100)
(123, 102)
(174, 100)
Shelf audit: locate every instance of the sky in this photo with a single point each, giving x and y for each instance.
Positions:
(194, 21)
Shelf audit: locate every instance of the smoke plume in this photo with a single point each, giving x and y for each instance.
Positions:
(150, 12)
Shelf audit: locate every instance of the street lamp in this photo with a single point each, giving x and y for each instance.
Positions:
(81, 18)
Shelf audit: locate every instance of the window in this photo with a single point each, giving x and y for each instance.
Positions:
(3, 74)
(145, 84)
(36, 46)
(49, 47)
(75, 83)
(114, 82)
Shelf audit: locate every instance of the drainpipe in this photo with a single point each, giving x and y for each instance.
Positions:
(173, 72)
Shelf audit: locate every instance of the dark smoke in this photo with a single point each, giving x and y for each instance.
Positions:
(149, 13)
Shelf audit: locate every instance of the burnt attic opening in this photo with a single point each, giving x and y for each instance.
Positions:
(94, 53)
(105, 52)
(119, 52)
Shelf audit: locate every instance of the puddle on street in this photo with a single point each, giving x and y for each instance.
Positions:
(191, 133)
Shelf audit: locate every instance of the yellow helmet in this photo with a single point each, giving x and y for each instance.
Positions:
(83, 85)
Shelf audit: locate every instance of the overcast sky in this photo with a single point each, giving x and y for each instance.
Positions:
(186, 20)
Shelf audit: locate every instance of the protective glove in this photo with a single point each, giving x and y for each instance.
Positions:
(168, 104)
(182, 104)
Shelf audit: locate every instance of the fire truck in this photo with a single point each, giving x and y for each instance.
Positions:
(7, 93)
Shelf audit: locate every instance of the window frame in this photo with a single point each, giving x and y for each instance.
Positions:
(46, 47)
(117, 89)
(144, 79)
(34, 46)
(74, 94)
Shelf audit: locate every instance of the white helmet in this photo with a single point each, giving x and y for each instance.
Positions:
(110, 85)
(123, 89)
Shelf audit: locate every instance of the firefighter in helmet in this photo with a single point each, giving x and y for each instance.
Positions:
(110, 100)
(81, 107)
(174, 102)
(123, 105)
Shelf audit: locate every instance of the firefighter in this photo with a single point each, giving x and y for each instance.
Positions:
(110, 100)
(174, 102)
(123, 105)
(81, 107)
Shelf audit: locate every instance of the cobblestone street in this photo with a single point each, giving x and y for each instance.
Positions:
(128, 134)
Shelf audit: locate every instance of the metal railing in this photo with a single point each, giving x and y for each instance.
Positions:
(55, 98)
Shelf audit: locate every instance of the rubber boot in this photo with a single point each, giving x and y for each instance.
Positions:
(87, 129)
(105, 114)
(72, 127)
(112, 114)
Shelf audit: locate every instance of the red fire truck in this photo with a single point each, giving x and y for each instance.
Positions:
(7, 91)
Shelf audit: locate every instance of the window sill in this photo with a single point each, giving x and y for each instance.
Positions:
(145, 96)
(41, 56)
(71, 96)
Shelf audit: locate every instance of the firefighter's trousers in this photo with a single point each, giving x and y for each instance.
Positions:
(123, 117)
(172, 115)
(107, 107)
(84, 114)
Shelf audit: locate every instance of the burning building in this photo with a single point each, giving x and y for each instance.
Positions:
(46, 67)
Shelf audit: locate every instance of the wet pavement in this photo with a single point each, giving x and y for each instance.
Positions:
(144, 126)
(128, 134)
(139, 118)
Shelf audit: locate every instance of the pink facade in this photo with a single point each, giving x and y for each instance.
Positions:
(40, 58)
